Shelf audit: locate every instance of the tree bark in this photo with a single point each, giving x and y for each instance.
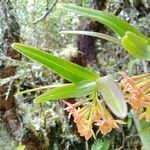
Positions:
(8, 107)
(86, 44)
(10, 33)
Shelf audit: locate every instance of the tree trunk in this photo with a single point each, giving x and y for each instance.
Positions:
(10, 119)
(10, 33)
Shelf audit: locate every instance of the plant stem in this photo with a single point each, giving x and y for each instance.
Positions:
(94, 34)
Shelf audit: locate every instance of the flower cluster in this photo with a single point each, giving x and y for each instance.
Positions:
(136, 90)
(91, 111)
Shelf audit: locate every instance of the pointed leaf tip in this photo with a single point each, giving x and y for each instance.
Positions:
(71, 90)
(62, 67)
(113, 22)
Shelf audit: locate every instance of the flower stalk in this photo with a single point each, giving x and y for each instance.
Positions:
(91, 112)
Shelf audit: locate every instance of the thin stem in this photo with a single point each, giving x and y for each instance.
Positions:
(84, 110)
(144, 83)
(146, 75)
(40, 88)
(94, 34)
(81, 102)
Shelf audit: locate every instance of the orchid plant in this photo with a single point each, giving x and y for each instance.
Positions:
(91, 110)
(136, 89)
(101, 96)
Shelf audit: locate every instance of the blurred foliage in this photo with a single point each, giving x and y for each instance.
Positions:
(45, 33)
(6, 142)
(100, 144)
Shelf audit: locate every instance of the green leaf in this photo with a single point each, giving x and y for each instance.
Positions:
(112, 95)
(117, 25)
(136, 45)
(68, 91)
(64, 68)
(143, 128)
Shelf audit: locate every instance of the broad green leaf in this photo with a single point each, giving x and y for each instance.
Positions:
(68, 91)
(130, 36)
(143, 128)
(117, 25)
(94, 34)
(136, 45)
(112, 95)
(64, 68)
